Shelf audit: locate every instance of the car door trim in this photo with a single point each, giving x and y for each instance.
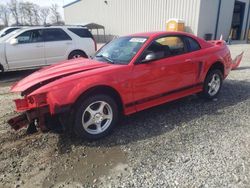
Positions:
(154, 97)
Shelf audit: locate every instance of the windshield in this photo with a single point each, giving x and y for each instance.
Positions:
(121, 50)
(2, 31)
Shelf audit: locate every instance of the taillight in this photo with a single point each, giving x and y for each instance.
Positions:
(40, 99)
(30, 100)
(21, 104)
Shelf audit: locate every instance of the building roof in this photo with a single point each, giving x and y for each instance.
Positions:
(93, 26)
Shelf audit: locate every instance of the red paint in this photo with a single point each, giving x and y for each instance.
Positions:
(140, 86)
(236, 61)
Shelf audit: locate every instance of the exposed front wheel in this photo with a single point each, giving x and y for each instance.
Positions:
(95, 117)
(212, 84)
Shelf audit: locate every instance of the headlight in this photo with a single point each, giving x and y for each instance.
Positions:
(31, 102)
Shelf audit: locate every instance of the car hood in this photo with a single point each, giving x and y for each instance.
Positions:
(55, 72)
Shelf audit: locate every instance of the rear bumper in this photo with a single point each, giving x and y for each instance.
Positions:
(236, 61)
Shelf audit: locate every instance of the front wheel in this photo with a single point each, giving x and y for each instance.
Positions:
(212, 84)
(95, 117)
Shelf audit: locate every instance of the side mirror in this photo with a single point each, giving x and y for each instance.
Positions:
(150, 57)
(13, 41)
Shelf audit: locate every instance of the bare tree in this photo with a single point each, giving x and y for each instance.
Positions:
(4, 15)
(55, 15)
(44, 14)
(14, 9)
(36, 14)
(23, 17)
(27, 12)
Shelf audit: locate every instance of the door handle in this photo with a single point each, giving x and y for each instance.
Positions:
(68, 43)
(188, 60)
(39, 46)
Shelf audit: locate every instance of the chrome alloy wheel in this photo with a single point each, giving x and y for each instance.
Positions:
(97, 117)
(214, 85)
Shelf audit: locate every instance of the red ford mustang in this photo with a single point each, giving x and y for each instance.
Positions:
(127, 75)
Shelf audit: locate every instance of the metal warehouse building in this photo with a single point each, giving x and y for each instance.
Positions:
(121, 17)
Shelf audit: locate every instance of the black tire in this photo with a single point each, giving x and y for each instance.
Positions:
(77, 54)
(31, 128)
(80, 113)
(205, 93)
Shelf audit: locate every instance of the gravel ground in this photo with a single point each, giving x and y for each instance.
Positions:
(186, 143)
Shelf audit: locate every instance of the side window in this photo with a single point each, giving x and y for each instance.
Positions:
(193, 45)
(174, 44)
(30, 36)
(83, 33)
(55, 35)
(166, 47)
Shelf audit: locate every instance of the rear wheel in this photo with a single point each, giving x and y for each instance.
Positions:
(212, 84)
(95, 117)
(77, 54)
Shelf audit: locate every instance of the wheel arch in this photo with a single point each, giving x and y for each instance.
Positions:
(103, 89)
(78, 50)
(217, 65)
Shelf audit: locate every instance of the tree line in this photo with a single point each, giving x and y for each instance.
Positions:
(28, 13)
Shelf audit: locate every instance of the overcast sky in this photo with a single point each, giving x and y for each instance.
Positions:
(45, 3)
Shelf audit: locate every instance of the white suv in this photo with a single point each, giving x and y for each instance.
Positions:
(35, 47)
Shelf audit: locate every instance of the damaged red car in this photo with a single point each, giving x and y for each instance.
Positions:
(127, 75)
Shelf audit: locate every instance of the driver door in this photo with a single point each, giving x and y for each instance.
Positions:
(28, 52)
(171, 71)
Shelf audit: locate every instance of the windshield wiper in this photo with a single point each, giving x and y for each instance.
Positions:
(106, 58)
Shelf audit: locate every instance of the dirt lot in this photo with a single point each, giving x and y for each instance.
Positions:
(187, 143)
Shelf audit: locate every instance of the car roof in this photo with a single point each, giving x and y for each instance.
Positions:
(152, 35)
(7, 28)
(52, 27)
(13, 27)
(160, 33)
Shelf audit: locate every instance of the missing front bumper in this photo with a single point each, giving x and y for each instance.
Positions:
(31, 117)
(19, 122)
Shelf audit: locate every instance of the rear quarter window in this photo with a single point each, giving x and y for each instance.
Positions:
(192, 44)
(55, 34)
(83, 33)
